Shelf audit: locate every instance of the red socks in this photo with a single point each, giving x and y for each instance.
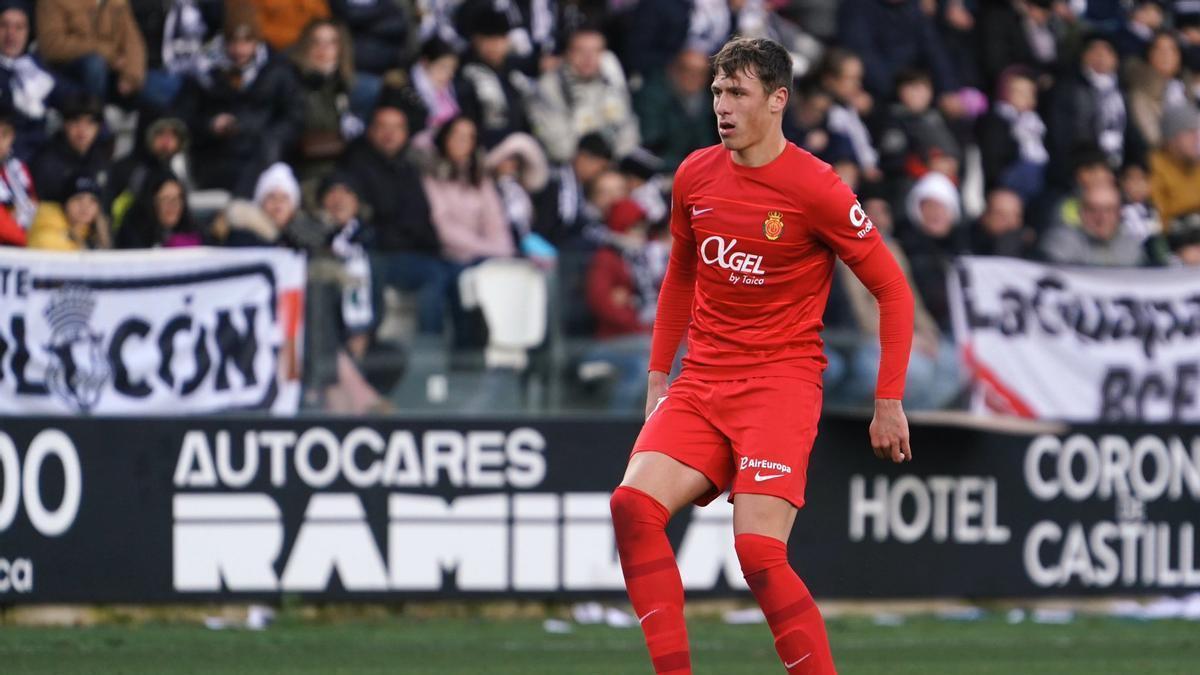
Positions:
(652, 577)
(791, 612)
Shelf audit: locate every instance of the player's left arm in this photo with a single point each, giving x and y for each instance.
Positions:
(839, 221)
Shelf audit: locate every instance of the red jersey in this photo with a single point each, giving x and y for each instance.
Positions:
(752, 263)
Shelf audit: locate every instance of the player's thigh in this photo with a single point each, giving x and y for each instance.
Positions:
(771, 423)
(669, 481)
(767, 515)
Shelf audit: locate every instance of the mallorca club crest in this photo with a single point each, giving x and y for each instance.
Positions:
(78, 369)
(773, 225)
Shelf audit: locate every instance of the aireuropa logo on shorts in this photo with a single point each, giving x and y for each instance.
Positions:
(750, 463)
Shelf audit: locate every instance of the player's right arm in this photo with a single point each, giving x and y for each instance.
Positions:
(675, 298)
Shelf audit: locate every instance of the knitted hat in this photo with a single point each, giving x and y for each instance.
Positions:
(1178, 119)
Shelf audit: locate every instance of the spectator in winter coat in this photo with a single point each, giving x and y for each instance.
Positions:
(489, 88)
(622, 294)
(274, 218)
(163, 151)
(1175, 168)
(76, 224)
(1155, 83)
(932, 240)
(384, 33)
(892, 34)
(18, 196)
(1012, 138)
(1099, 240)
(463, 202)
(390, 183)
(562, 214)
(587, 93)
(323, 59)
(242, 109)
(75, 149)
(26, 88)
(92, 44)
(841, 75)
(518, 166)
(675, 109)
(159, 216)
(433, 79)
(175, 32)
(917, 139)
(1001, 230)
(1088, 107)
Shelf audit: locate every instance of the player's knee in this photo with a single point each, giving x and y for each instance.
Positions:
(633, 508)
(758, 553)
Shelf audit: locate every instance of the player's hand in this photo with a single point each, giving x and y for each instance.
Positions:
(656, 389)
(889, 431)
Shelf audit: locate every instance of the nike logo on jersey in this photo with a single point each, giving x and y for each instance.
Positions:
(759, 477)
(647, 615)
(697, 212)
(797, 662)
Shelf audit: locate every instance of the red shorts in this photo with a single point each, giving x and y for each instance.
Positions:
(749, 436)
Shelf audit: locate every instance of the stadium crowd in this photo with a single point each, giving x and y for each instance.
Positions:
(399, 142)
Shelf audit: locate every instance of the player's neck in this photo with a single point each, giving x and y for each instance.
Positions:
(762, 152)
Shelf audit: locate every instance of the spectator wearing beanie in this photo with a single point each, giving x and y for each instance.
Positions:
(932, 239)
(77, 224)
(75, 149)
(26, 88)
(274, 218)
(90, 43)
(242, 109)
(1175, 167)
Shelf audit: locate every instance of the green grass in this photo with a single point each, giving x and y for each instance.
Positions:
(438, 647)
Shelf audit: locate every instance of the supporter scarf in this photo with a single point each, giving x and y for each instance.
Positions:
(30, 85)
(844, 120)
(1110, 113)
(1027, 130)
(17, 182)
(357, 314)
(183, 37)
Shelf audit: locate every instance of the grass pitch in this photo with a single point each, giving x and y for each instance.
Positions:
(452, 646)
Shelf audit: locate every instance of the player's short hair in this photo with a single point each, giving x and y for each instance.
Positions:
(765, 59)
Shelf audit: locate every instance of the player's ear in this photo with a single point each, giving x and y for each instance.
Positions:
(778, 100)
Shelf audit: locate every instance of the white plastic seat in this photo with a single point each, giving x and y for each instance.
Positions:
(512, 296)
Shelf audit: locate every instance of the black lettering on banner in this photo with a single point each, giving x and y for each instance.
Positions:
(1187, 381)
(20, 361)
(241, 349)
(166, 346)
(3, 352)
(203, 363)
(1052, 306)
(1113, 392)
(121, 381)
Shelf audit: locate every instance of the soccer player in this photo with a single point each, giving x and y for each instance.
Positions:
(756, 223)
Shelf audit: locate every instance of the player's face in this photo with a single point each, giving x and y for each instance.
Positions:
(746, 113)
